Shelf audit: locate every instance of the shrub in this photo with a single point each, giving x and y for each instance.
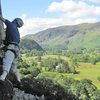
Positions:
(51, 90)
(35, 72)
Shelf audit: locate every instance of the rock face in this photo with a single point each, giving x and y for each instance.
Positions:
(21, 95)
(2, 32)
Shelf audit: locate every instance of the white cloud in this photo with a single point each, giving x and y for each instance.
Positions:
(34, 25)
(72, 12)
(79, 9)
(95, 0)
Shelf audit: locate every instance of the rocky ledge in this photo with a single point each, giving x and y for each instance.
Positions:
(21, 95)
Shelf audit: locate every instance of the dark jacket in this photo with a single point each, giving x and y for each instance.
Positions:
(12, 33)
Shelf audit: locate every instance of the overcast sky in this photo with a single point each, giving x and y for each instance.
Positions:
(42, 14)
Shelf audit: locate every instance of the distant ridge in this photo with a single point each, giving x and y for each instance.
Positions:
(86, 35)
(30, 44)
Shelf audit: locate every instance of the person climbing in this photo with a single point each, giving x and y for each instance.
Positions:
(11, 43)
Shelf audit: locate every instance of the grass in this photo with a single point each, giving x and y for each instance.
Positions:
(89, 71)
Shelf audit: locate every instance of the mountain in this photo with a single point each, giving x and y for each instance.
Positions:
(86, 35)
(29, 44)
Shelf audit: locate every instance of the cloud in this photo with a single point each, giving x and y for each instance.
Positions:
(71, 12)
(78, 9)
(36, 24)
(95, 1)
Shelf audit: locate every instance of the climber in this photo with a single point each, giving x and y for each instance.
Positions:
(11, 43)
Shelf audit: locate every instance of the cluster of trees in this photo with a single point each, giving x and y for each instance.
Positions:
(28, 69)
(89, 57)
(83, 89)
(59, 65)
(70, 89)
(48, 64)
(51, 90)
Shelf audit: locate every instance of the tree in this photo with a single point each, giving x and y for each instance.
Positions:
(63, 67)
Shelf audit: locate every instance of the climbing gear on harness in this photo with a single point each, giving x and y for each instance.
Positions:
(14, 47)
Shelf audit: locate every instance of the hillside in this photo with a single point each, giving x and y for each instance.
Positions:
(69, 37)
(28, 44)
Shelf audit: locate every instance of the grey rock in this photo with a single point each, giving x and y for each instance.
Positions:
(21, 95)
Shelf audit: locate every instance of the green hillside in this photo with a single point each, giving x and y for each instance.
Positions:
(28, 44)
(69, 37)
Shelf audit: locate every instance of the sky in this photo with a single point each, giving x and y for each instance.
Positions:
(39, 15)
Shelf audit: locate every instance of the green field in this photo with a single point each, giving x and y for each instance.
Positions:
(89, 71)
